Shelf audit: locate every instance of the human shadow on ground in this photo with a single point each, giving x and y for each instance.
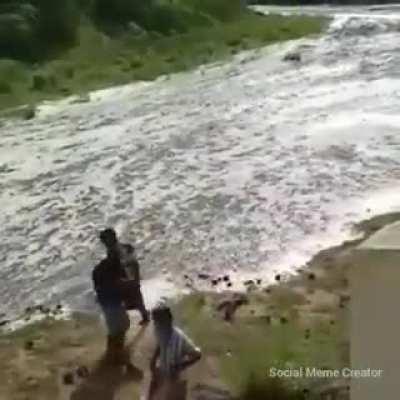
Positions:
(106, 379)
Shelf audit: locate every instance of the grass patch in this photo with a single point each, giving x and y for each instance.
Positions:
(100, 60)
(248, 348)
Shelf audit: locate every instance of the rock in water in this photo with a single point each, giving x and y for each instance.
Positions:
(293, 57)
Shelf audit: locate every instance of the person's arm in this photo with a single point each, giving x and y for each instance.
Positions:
(154, 358)
(191, 355)
(190, 359)
(135, 268)
(132, 263)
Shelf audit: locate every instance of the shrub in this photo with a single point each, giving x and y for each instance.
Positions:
(17, 31)
(58, 22)
(5, 88)
(221, 9)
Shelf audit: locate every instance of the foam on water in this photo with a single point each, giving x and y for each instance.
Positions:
(247, 168)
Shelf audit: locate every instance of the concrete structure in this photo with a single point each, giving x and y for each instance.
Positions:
(375, 316)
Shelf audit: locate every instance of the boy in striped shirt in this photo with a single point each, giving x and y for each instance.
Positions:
(175, 353)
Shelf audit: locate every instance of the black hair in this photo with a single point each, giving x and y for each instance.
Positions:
(162, 312)
(108, 235)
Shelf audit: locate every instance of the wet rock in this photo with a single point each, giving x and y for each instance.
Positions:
(59, 309)
(39, 308)
(292, 56)
(230, 305)
(68, 378)
(82, 372)
(29, 345)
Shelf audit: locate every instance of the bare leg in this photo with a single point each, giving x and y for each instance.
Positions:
(155, 385)
(142, 309)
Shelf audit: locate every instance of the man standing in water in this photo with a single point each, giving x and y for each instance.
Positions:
(114, 290)
(175, 353)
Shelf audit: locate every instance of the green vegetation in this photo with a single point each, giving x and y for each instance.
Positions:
(50, 49)
(260, 339)
(316, 2)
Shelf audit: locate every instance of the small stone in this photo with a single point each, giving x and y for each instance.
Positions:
(82, 372)
(4, 322)
(248, 283)
(311, 276)
(29, 345)
(68, 378)
(307, 334)
(252, 312)
(332, 322)
(229, 284)
(32, 382)
(226, 278)
(203, 276)
(214, 282)
(267, 319)
(283, 320)
(278, 277)
(267, 290)
(259, 281)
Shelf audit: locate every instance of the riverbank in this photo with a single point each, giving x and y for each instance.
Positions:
(299, 322)
(100, 61)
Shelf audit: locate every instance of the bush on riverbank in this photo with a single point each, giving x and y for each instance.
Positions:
(88, 49)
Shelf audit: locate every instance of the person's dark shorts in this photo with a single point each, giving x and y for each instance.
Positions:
(116, 318)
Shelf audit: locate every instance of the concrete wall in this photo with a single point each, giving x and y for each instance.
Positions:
(375, 323)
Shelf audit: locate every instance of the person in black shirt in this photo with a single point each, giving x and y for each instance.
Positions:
(111, 284)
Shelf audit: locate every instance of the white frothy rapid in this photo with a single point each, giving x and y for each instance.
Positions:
(246, 168)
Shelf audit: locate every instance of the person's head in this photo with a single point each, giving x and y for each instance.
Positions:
(163, 319)
(109, 238)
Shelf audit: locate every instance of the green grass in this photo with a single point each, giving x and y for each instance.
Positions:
(100, 61)
(247, 349)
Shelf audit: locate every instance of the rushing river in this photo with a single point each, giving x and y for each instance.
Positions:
(248, 167)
